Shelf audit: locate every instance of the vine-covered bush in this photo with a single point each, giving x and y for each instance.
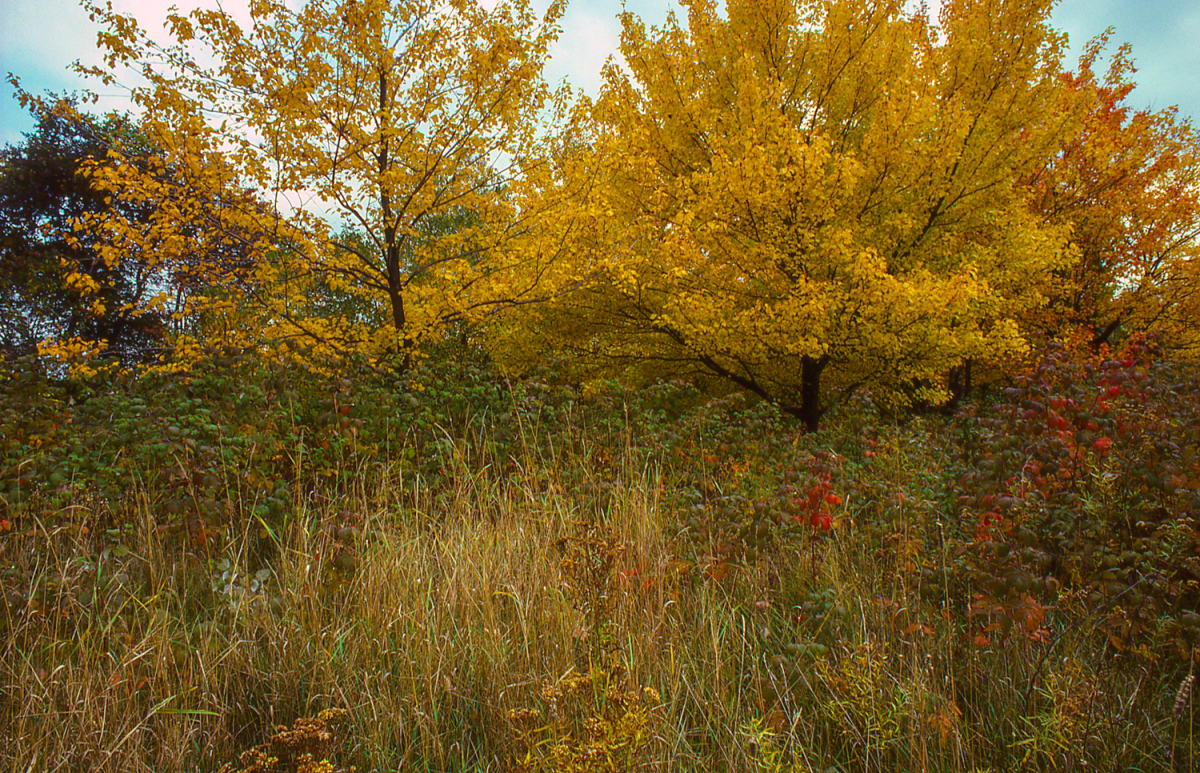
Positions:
(1084, 491)
(240, 441)
(235, 439)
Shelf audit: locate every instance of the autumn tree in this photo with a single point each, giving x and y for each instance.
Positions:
(336, 142)
(1127, 184)
(805, 198)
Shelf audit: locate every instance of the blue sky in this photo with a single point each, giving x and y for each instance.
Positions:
(40, 38)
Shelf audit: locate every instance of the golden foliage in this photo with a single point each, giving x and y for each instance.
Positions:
(360, 170)
(801, 196)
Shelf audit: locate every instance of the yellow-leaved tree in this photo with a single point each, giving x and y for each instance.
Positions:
(373, 160)
(805, 198)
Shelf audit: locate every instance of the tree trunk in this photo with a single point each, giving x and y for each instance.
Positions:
(959, 383)
(395, 287)
(810, 392)
(1104, 335)
(391, 247)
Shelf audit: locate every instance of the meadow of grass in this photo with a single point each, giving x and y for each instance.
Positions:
(258, 570)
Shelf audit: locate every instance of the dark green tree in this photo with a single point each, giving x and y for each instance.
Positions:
(41, 196)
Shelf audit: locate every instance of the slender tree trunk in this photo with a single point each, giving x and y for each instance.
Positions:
(395, 287)
(390, 244)
(959, 382)
(1104, 335)
(810, 392)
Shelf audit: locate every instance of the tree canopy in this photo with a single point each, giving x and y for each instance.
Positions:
(823, 196)
(388, 121)
(798, 198)
(1127, 184)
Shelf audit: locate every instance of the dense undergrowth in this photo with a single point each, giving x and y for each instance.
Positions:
(259, 569)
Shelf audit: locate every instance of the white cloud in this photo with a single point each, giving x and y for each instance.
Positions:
(589, 37)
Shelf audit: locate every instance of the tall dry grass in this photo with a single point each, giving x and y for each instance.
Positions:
(440, 619)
